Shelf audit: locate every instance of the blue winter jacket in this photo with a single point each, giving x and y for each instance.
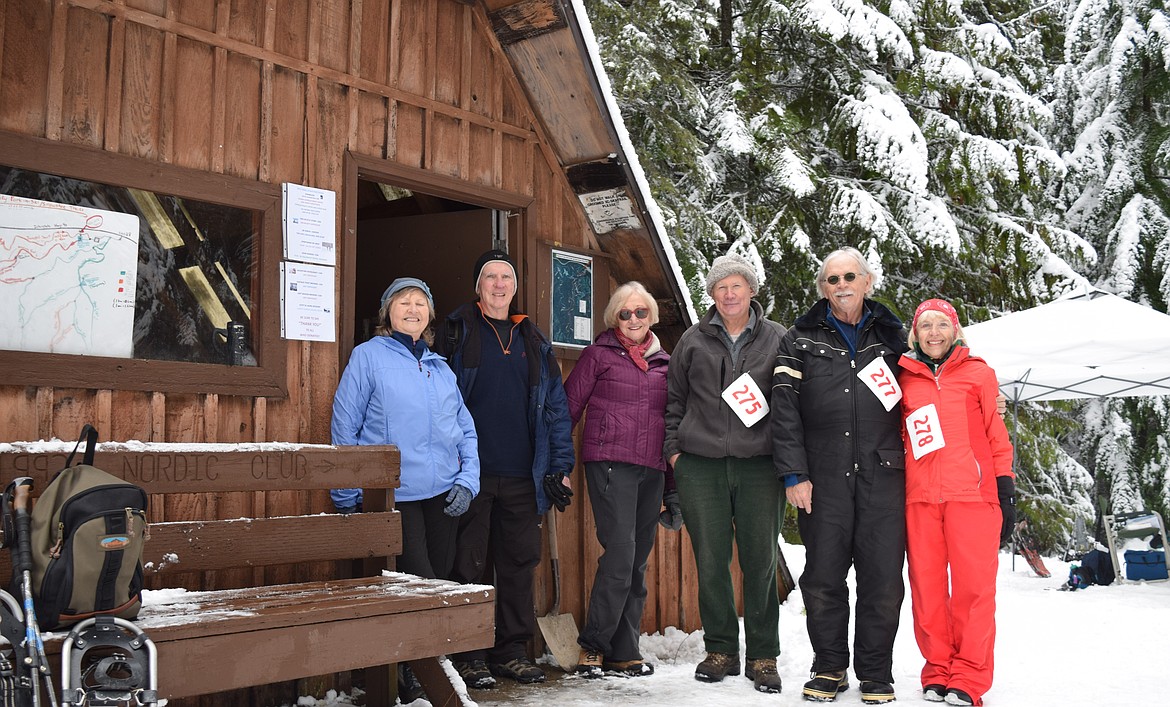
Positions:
(386, 396)
(548, 408)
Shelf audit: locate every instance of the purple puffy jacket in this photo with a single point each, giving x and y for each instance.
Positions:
(627, 407)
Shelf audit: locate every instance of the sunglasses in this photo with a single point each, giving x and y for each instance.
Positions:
(640, 313)
(834, 279)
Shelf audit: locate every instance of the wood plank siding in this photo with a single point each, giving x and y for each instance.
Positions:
(462, 100)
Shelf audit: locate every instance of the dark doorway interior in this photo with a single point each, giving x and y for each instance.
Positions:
(402, 233)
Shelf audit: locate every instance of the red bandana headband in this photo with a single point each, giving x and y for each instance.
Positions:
(936, 305)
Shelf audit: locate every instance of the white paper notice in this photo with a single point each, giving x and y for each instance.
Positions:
(310, 224)
(307, 302)
(745, 398)
(881, 382)
(924, 431)
(582, 328)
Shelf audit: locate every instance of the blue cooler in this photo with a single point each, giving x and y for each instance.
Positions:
(1145, 564)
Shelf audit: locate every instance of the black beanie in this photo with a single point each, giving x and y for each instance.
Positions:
(488, 257)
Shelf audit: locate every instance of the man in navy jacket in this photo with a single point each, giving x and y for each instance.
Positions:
(512, 385)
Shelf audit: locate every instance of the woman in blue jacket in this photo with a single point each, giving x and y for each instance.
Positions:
(395, 390)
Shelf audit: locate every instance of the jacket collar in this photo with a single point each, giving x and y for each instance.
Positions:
(399, 348)
(818, 315)
(608, 338)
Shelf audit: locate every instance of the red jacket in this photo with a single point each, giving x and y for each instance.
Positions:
(976, 444)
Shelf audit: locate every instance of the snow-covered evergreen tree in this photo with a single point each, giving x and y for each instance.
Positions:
(993, 152)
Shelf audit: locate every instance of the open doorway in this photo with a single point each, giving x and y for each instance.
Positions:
(403, 233)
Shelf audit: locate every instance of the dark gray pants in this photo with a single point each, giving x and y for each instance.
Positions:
(428, 538)
(626, 500)
(502, 525)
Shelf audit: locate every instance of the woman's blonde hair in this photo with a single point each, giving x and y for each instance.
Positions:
(384, 328)
(623, 293)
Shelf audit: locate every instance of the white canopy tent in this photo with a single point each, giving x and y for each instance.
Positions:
(1089, 345)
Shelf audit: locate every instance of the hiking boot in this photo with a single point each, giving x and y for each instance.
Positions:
(589, 664)
(934, 693)
(825, 685)
(717, 666)
(409, 688)
(876, 693)
(762, 673)
(629, 668)
(519, 669)
(475, 674)
(958, 697)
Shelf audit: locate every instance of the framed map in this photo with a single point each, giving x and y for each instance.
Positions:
(69, 277)
(572, 299)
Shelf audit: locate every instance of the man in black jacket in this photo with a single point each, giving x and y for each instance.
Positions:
(511, 383)
(837, 441)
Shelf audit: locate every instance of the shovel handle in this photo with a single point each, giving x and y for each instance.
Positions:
(555, 559)
(553, 550)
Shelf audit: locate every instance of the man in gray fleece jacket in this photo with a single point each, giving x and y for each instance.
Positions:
(719, 441)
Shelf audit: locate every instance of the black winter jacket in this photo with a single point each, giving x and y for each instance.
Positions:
(824, 419)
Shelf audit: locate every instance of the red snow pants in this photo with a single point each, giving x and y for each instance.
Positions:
(953, 554)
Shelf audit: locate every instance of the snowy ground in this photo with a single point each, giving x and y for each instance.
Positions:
(1090, 647)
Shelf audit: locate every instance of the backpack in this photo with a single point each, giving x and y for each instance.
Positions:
(1098, 567)
(88, 532)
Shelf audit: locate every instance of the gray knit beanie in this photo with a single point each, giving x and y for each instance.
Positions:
(732, 264)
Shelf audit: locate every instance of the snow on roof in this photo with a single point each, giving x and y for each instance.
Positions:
(629, 153)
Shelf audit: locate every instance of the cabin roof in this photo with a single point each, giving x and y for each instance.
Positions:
(553, 52)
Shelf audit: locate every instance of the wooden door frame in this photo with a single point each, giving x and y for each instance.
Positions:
(358, 167)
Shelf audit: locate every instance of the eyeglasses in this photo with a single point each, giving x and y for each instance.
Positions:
(834, 279)
(640, 313)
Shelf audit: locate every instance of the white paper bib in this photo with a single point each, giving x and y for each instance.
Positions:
(924, 430)
(746, 399)
(881, 381)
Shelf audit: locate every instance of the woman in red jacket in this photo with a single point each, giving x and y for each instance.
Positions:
(959, 486)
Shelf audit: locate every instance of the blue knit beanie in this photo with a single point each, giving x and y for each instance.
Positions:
(401, 284)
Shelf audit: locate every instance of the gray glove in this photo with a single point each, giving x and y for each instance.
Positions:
(671, 518)
(458, 500)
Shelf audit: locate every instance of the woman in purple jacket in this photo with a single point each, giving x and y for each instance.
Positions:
(621, 378)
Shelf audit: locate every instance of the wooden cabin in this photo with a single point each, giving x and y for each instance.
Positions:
(155, 154)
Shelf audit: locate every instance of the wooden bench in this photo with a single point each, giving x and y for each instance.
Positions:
(223, 639)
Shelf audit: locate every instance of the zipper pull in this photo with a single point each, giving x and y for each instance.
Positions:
(853, 363)
(56, 551)
(131, 515)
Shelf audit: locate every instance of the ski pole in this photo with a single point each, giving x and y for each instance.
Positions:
(22, 562)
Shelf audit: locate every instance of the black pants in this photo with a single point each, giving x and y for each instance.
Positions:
(626, 499)
(502, 525)
(428, 538)
(859, 520)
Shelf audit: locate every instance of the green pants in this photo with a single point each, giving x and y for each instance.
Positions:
(742, 500)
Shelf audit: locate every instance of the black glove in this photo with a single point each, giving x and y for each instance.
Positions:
(1006, 487)
(671, 518)
(347, 510)
(556, 491)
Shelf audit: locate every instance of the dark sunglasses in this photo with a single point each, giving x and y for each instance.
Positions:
(834, 279)
(640, 313)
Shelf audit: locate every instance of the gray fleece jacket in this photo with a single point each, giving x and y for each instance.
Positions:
(698, 421)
